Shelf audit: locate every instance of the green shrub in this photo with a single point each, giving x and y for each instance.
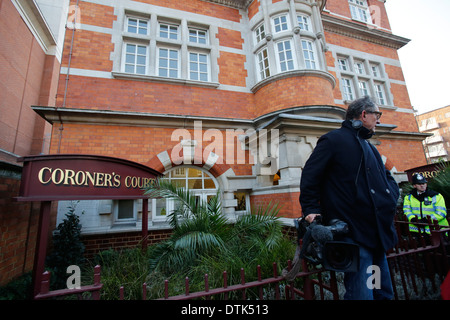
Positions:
(68, 249)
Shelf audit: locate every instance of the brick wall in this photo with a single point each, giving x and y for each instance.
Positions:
(96, 243)
(25, 80)
(18, 227)
(288, 203)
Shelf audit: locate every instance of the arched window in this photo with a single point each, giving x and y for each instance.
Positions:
(198, 181)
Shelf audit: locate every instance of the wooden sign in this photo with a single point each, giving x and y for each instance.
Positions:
(82, 177)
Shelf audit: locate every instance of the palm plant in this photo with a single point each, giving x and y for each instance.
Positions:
(441, 183)
(201, 232)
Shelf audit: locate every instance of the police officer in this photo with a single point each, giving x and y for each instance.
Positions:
(423, 203)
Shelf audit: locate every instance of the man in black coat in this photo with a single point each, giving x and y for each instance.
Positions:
(345, 179)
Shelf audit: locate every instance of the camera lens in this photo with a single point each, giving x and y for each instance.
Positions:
(340, 256)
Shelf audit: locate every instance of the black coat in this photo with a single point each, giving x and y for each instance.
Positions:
(345, 178)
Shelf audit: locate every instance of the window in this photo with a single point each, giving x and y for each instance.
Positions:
(135, 58)
(280, 23)
(260, 34)
(137, 25)
(379, 93)
(366, 77)
(180, 52)
(347, 88)
(243, 202)
(285, 55)
(200, 183)
(359, 10)
(343, 64)
(304, 23)
(168, 31)
(168, 63)
(198, 66)
(375, 70)
(198, 36)
(125, 211)
(363, 88)
(308, 54)
(263, 64)
(359, 67)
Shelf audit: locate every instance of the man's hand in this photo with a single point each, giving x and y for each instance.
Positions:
(310, 217)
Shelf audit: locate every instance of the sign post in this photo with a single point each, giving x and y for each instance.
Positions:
(48, 178)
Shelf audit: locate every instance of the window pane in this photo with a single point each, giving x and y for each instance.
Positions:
(173, 73)
(194, 173)
(173, 64)
(195, 184)
(163, 72)
(129, 68)
(140, 70)
(161, 209)
(209, 184)
(179, 182)
(129, 58)
(163, 53)
(125, 210)
(140, 60)
(131, 48)
(142, 50)
(163, 63)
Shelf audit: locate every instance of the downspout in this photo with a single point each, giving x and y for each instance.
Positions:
(61, 128)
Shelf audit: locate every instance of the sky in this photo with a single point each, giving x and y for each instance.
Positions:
(425, 60)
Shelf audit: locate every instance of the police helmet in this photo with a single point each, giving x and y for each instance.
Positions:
(418, 179)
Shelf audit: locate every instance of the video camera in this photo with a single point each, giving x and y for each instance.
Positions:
(320, 245)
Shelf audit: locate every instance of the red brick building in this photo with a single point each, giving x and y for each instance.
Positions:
(436, 123)
(222, 94)
(30, 55)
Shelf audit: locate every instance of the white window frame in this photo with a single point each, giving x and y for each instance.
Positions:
(343, 64)
(198, 72)
(347, 89)
(138, 28)
(263, 63)
(285, 51)
(375, 68)
(260, 33)
(168, 68)
(170, 32)
(198, 36)
(363, 88)
(136, 55)
(310, 63)
(247, 204)
(360, 10)
(281, 25)
(304, 22)
(359, 67)
(117, 220)
(380, 93)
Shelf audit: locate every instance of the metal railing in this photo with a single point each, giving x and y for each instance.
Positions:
(418, 261)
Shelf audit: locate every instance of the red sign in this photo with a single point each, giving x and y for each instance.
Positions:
(428, 171)
(82, 177)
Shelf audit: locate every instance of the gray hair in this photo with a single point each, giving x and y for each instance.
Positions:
(356, 108)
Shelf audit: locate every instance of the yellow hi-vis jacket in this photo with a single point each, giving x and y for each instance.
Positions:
(433, 206)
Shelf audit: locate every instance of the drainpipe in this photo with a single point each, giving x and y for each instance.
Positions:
(61, 128)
